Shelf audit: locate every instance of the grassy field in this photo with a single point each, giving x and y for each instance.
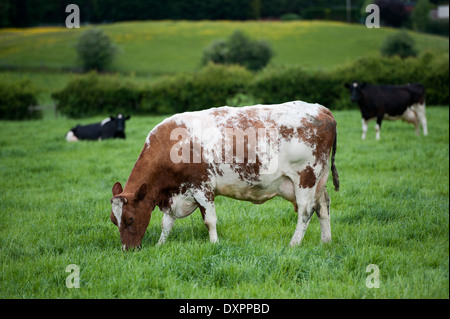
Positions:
(173, 46)
(392, 211)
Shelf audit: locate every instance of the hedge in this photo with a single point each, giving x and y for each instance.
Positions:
(217, 85)
(93, 94)
(16, 100)
(210, 87)
(275, 85)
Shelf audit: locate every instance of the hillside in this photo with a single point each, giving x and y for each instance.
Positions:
(173, 46)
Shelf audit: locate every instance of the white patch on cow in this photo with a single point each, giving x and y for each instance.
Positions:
(420, 111)
(377, 130)
(364, 129)
(108, 119)
(117, 206)
(355, 84)
(210, 218)
(70, 137)
(181, 205)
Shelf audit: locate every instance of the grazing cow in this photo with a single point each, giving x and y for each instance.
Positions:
(252, 153)
(111, 127)
(390, 102)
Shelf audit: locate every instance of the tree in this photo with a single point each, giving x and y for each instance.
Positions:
(239, 49)
(400, 43)
(95, 50)
(421, 15)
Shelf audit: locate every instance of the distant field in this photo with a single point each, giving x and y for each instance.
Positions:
(392, 211)
(174, 46)
(150, 49)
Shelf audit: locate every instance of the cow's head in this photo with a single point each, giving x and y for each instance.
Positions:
(119, 121)
(131, 213)
(355, 90)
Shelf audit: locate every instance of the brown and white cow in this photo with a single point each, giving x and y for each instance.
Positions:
(250, 153)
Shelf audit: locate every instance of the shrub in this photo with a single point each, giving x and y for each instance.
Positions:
(16, 99)
(210, 87)
(435, 77)
(95, 50)
(241, 99)
(281, 84)
(93, 94)
(239, 49)
(401, 44)
(440, 27)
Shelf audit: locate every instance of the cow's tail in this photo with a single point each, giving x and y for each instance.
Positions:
(334, 171)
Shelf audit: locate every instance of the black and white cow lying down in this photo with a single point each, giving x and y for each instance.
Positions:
(390, 102)
(111, 127)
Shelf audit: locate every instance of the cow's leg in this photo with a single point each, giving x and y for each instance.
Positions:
(210, 221)
(323, 212)
(305, 208)
(208, 210)
(364, 128)
(420, 110)
(166, 226)
(378, 126)
(410, 117)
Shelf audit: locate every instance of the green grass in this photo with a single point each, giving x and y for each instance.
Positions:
(392, 211)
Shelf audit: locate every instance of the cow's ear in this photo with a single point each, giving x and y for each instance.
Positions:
(347, 85)
(127, 117)
(363, 85)
(112, 118)
(141, 192)
(117, 189)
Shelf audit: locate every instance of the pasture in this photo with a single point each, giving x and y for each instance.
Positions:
(392, 211)
(153, 47)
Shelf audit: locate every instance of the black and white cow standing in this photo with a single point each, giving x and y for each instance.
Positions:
(111, 127)
(390, 102)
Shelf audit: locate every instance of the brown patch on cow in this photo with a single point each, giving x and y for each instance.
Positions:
(286, 133)
(249, 170)
(219, 112)
(319, 132)
(307, 178)
(162, 176)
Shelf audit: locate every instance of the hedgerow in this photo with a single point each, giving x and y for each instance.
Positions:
(17, 100)
(217, 85)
